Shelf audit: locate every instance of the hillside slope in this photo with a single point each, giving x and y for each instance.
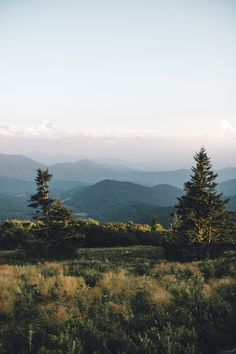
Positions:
(228, 188)
(18, 166)
(113, 200)
(110, 192)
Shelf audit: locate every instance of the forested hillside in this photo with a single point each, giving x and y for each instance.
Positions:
(115, 196)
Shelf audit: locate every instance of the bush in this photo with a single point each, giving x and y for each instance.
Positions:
(15, 234)
(216, 268)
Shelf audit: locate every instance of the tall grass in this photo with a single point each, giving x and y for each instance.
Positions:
(173, 308)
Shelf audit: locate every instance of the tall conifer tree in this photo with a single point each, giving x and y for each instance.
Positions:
(202, 217)
(41, 200)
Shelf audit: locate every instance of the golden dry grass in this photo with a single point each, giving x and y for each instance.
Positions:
(118, 284)
(175, 267)
(217, 283)
(9, 288)
(56, 312)
(169, 279)
(210, 289)
(119, 309)
(157, 295)
(62, 292)
(128, 286)
(14, 279)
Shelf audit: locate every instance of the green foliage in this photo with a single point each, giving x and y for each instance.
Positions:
(55, 222)
(217, 268)
(119, 234)
(15, 234)
(193, 312)
(60, 218)
(90, 270)
(41, 200)
(202, 221)
(63, 234)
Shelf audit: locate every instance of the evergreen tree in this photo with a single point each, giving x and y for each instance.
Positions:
(201, 214)
(63, 235)
(60, 218)
(41, 200)
(57, 224)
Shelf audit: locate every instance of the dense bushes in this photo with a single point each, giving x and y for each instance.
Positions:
(34, 240)
(54, 240)
(15, 234)
(104, 237)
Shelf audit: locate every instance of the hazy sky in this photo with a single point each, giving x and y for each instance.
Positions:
(111, 71)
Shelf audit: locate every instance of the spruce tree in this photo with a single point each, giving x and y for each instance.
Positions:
(60, 218)
(41, 200)
(63, 234)
(202, 217)
(57, 226)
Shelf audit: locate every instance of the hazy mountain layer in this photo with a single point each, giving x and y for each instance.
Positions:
(228, 187)
(18, 166)
(90, 172)
(16, 186)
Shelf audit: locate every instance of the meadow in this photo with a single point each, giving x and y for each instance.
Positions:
(118, 300)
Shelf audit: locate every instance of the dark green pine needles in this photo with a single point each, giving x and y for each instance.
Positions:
(41, 200)
(201, 214)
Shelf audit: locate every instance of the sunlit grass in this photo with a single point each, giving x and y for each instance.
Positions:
(119, 290)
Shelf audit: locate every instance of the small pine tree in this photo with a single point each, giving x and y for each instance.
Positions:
(201, 214)
(41, 200)
(60, 218)
(63, 235)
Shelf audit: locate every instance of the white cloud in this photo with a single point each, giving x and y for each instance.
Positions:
(7, 131)
(227, 127)
(47, 130)
(46, 125)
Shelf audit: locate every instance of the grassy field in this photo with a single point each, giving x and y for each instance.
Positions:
(118, 300)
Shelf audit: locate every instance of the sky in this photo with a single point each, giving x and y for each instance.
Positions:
(144, 81)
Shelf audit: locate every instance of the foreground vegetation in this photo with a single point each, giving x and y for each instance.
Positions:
(118, 300)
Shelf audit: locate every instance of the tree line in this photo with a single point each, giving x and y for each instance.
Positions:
(201, 225)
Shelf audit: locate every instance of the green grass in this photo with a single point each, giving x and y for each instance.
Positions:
(117, 256)
(7, 256)
(128, 257)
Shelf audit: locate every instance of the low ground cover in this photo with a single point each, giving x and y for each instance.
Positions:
(119, 300)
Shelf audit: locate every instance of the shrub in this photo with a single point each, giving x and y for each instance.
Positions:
(15, 234)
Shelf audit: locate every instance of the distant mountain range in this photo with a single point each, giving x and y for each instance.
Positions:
(18, 186)
(90, 172)
(105, 192)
